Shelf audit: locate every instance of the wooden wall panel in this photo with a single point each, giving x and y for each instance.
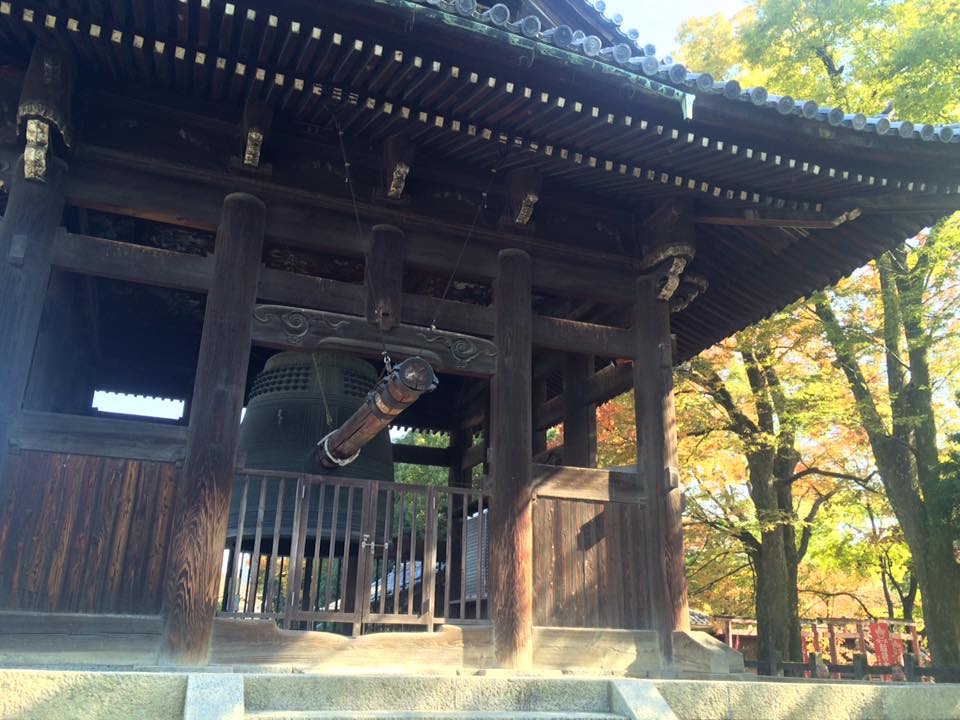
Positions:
(88, 534)
(588, 564)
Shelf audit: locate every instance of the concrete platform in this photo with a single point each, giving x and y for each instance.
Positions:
(70, 695)
(126, 641)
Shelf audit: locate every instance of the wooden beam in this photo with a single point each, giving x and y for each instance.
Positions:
(99, 257)
(104, 437)
(200, 525)
(798, 221)
(152, 188)
(421, 455)
(474, 455)
(599, 387)
(511, 527)
(657, 464)
(577, 483)
(291, 328)
(134, 263)
(579, 415)
(384, 277)
(313, 292)
(33, 213)
(165, 268)
(601, 340)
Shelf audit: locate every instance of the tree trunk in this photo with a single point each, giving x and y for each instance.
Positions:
(773, 580)
(939, 579)
(927, 535)
(792, 561)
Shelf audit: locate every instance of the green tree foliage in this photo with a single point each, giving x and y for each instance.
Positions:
(890, 329)
(858, 54)
(421, 474)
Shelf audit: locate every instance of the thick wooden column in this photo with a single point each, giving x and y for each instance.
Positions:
(34, 210)
(511, 434)
(657, 463)
(579, 416)
(200, 522)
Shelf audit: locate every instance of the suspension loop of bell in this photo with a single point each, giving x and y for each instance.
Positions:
(387, 362)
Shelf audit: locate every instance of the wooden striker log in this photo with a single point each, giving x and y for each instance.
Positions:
(200, 522)
(394, 394)
(511, 436)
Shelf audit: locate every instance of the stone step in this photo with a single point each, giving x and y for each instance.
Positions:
(559, 697)
(440, 715)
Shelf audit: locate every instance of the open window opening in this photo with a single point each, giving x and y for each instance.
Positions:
(106, 402)
(115, 349)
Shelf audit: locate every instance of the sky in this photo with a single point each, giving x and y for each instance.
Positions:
(658, 21)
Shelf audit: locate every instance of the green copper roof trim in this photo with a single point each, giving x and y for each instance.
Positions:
(535, 47)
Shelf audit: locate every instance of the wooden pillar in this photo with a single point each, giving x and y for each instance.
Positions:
(33, 214)
(200, 522)
(384, 277)
(34, 210)
(511, 529)
(579, 416)
(461, 440)
(657, 463)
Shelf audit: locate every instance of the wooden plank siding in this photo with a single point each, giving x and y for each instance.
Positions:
(584, 572)
(87, 534)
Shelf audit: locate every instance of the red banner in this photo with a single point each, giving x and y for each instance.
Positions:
(889, 651)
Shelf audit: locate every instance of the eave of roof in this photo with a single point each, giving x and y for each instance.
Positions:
(638, 61)
(444, 12)
(468, 103)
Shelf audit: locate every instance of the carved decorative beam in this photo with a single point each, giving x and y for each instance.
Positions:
(292, 328)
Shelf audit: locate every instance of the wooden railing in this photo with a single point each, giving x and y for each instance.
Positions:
(910, 671)
(332, 553)
(252, 582)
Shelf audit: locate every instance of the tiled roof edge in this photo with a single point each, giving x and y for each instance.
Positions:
(642, 60)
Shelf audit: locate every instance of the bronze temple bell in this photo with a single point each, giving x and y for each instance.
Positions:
(326, 414)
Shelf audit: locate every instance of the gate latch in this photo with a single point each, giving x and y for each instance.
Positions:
(365, 543)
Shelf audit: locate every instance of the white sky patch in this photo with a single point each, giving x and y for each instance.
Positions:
(139, 405)
(658, 22)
